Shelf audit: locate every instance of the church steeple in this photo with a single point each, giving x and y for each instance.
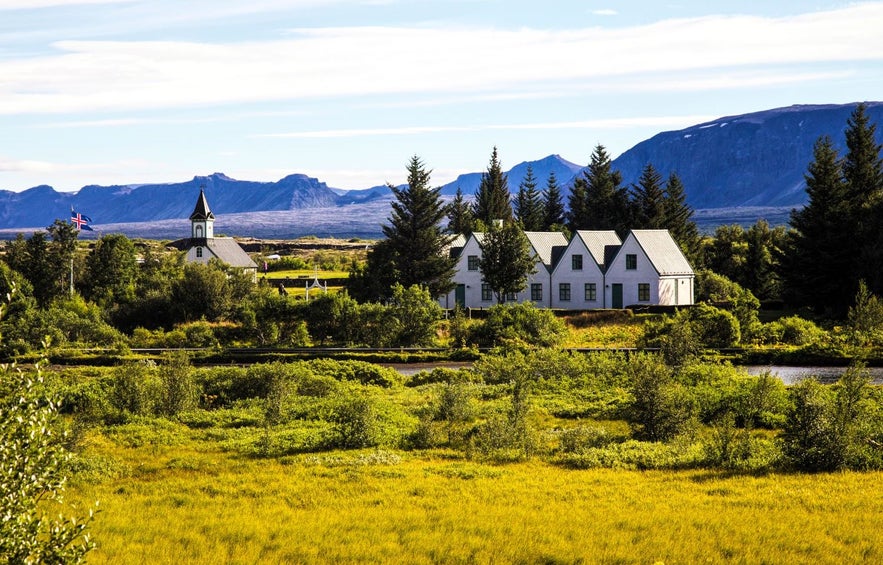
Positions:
(202, 220)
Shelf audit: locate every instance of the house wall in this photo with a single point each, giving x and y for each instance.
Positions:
(206, 255)
(644, 273)
(590, 273)
(676, 291)
(471, 280)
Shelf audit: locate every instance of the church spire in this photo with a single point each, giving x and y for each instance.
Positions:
(202, 211)
(202, 220)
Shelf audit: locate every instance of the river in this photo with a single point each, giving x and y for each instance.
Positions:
(789, 375)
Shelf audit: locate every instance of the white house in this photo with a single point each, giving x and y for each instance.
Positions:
(649, 268)
(546, 248)
(472, 292)
(579, 274)
(594, 270)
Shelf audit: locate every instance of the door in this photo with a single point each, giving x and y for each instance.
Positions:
(460, 295)
(617, 296)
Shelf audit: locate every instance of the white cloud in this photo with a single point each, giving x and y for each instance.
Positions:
(341, 62)
(605, 12)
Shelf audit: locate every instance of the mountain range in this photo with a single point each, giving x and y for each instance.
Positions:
(732, 167)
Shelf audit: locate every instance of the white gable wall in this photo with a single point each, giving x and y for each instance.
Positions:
(630, 279)
(590, 273)
(207, 254)
(471, 280)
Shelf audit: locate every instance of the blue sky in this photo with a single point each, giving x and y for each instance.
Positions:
(135, 91)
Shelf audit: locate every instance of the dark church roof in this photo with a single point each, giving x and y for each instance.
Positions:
(202, 211)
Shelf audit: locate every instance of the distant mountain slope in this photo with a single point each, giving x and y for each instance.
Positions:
(754, 159)
(564, 170)
(150, 202)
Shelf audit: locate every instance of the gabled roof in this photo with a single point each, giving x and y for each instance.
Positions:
(227, 250)
(455, 247)
(202, 211)
(663, 252)
(597, 242)
(544, 243)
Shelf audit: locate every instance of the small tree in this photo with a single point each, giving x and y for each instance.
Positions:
(661, 407)
(32, 472)
(506, 260)
(865, 319)
(415, 314)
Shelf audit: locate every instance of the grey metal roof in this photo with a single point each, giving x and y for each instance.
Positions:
(227, 250)
(597, 241)
(663, 252)
(544, 244)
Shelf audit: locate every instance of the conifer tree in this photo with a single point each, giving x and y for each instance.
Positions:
(816, 267)
(553, 205)
(460, 219)
(648, 205)
(492, 199)
(414, 250)
(528, 203)
(597, 201)
(506, 260)
(863, 174)
(678, 218)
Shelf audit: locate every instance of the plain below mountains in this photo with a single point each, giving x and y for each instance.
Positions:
(734, 169)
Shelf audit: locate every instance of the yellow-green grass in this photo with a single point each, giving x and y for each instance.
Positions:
(616, 334)
(306, 274)
(191, 502)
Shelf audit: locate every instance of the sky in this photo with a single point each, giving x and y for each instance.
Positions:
(148, 91)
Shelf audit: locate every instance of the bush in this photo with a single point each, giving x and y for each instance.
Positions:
(178, 391)
(519, 324)
(792, 330)
(661, 408)
(32, 474)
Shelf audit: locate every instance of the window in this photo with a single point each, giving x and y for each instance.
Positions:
(631, 261)
(591, 292)
(576, 262)
(486, 293)
(511, 297)
(536, 292)
(472, 262)
(199, 251)
(643, 292)
(564, 292)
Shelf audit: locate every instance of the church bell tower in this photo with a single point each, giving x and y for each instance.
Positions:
(202, 220)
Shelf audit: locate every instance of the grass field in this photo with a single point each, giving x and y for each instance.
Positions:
(186, 500)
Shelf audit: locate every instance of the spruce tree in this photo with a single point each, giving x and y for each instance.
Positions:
(597, 201)
(649, 210)
(414, 251)
(863, 174)
(816, 268)
(506, 261)
(492, 197)
(553, 205)
(528, 204)
(678, 219)
(460, 219)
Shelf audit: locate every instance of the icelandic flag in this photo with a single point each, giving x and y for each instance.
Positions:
(81, 221)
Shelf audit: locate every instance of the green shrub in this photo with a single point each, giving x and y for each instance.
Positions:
(521, 324)
(662, 407)
(178, 390)
(792, 330)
